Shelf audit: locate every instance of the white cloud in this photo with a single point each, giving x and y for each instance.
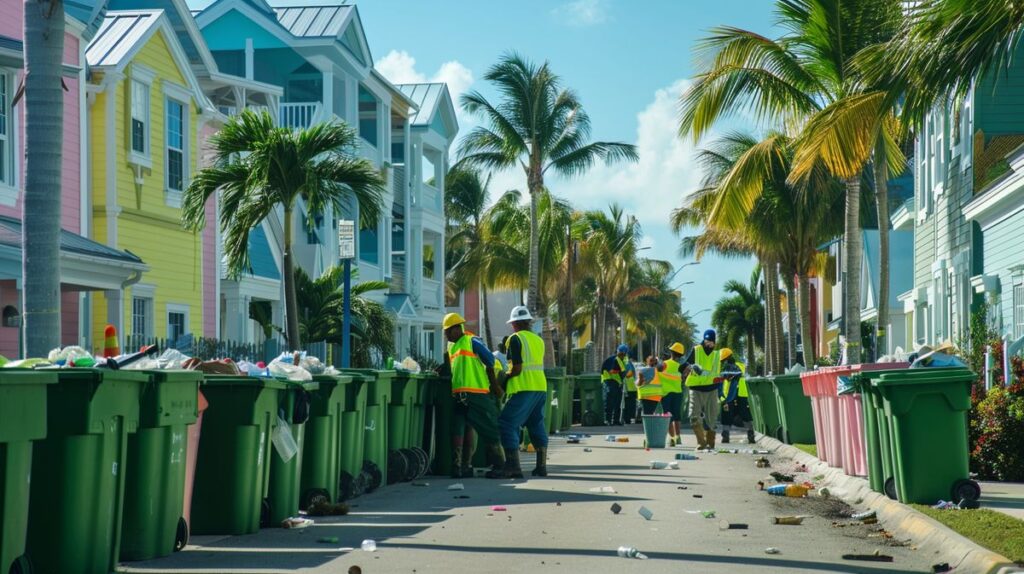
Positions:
(582, 12)
(399, 67)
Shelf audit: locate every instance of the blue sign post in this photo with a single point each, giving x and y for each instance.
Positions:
(346, 252)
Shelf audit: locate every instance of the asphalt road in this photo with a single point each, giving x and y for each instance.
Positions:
(559, 524)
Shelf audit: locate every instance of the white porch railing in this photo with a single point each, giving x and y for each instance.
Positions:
(432, 294)
(300, 114)
(431, 197)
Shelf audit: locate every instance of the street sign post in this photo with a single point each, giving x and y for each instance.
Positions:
(346, 252)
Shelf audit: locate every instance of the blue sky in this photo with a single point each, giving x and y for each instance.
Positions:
(628, 60)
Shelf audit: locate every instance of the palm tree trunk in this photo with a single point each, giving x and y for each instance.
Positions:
(882, 203)
(791, 319)
(775, 317)
(769, 322)
(851, 268)
(804, 294)
(487, 318)
(549, 343)
(44, 129)
(751, 352)
(533, 292)
(291, 298)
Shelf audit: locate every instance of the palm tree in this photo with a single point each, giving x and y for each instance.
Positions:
(790, 79)
(466, 199)
(539, 126)
(41, 210)
(259, 168)
(741, 315)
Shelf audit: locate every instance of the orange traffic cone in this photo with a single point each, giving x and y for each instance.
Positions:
(110, 348)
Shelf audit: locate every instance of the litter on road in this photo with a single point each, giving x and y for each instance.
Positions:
(787, 520)
(726, 525)
(708, 514)
(603, 489)
(369, 545)
(457, 486)
(772, 550)
(631, 552)
(616, 508)
(876, 557)
(645, 512)
(498, 509)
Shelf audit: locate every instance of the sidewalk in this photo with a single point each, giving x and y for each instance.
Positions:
(559, 525)
(1005, 497)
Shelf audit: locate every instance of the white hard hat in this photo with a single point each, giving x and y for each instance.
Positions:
(520, 313)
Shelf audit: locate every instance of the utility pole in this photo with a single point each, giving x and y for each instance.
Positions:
(346, 252)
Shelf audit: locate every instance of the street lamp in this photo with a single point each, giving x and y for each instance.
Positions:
(694, 316)
(681, 284)
(683, 266)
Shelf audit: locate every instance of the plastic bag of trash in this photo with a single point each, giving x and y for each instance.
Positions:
(409, 365)
(172, 359)
(312, 364)
(796, 369)
(284, 442)
(289, 371)
(252, 369)
(67, 355)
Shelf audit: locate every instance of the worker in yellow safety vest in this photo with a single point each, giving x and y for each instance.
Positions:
(649, 386)
(734, 396)
(527, 392)
(703, 368)
(615, 371)
(473, 377)
(671, 378)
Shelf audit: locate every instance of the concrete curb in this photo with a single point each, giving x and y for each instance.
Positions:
(930, 536)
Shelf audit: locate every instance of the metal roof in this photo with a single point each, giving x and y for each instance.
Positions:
(261, 258)
(10, 235)
(313, 21)
(118, 34)
(8, 43)
(426, 97)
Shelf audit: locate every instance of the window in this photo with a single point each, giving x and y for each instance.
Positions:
(6, 131)
(176, 142)
(1018, 310)
(367, 116)
(142, 311)
(177, 321)
(368, 244)
(428, 261)
(11, 318)
(140, 118)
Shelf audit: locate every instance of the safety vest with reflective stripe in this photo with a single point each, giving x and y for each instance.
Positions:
(742, 390)
(531, 378)
(711, 366)
(671, 378)
(651, 390)
(614, 374)
(468, 373)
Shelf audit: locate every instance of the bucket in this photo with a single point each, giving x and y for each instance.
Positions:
(656, 429)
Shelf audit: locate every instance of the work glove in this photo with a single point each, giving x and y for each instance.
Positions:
(697, 369)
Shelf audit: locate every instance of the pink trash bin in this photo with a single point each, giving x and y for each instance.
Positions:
(194, 432)
(819, 385)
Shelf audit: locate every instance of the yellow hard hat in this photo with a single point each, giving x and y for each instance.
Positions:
(451, 320)
(725, 353)
(678, 348)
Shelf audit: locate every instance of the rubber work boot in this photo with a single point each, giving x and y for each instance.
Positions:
(457, 459)
(725, 437)
(698, 431)
(750, 436)
(711, 440)
(542, 462)
(511, 469)
(495, 457)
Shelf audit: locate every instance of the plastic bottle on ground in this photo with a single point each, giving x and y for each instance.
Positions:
(790, 490)
(631, 552)
(369, 545)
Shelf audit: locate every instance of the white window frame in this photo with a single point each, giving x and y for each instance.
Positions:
(173, 308)
(9, 185)
(143, 77)
(1018, 309)
(146, 319)
(967, 130)
(182, 97)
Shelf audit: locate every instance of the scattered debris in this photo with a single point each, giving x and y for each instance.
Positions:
(660, 465)
(684, 456)
(645, 512)
(296, 523)
(498, 509)
(681, 488)
(869, 520)
(414, 484)
(819, 477)
(609, 438)
(461, 496)
(616, 508)
(772, 550)
(763, 463)
(863, 515)
(603, 489)
(457, 486)
(573, 441)
(825, 493)
(369, 545)
(622, 439)
(790, 490)
(558, 504)
(355, 570)
(588, 450)
(698, 496)
(876, 557)
(708, 514)
(941, 567)
(726, 525)
(328, 540)
(787, 520)
(631, 552)
(324, 508)
(779, 477)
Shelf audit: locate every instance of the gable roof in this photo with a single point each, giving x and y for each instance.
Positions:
(432, 99)
(314, 21)
(184, 25)
(261, 258)
(10, 235)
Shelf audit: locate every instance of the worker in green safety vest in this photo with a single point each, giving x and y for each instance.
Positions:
(734, 396)
(527, 391)
(615, 371)
(672, 396)
(473, 376)
(703, 368)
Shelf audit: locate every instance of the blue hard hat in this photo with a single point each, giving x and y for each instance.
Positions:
(710, 335)
(623, 348)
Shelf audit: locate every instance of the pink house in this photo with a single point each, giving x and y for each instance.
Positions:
(86, 266)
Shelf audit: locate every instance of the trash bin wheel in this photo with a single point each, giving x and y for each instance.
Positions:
(181, 535)
(780, 434)
(424, 462)
(590, 419)
(265, 513)
(889, 487)
(21, 565)
(965, 489)
(314, 496)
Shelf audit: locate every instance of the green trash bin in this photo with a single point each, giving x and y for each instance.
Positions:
(22, 421)
(795, 411)
(876, 433)
(404, 394)
(78, 471)
(233, 468)
(352, 432)
(556, 398)
(284, 490)
(154, 518)
(591, 399)
(766, 406)
(322, 451)
(927, 416)
(375, 423)
(442, 407)
(568, 395)
(424, 399)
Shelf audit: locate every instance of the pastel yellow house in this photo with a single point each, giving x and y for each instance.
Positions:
(146, 111)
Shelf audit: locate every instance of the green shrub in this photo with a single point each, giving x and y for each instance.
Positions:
(998, 425)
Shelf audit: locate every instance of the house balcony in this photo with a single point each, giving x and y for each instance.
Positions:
(431, 295)
(300, 115)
